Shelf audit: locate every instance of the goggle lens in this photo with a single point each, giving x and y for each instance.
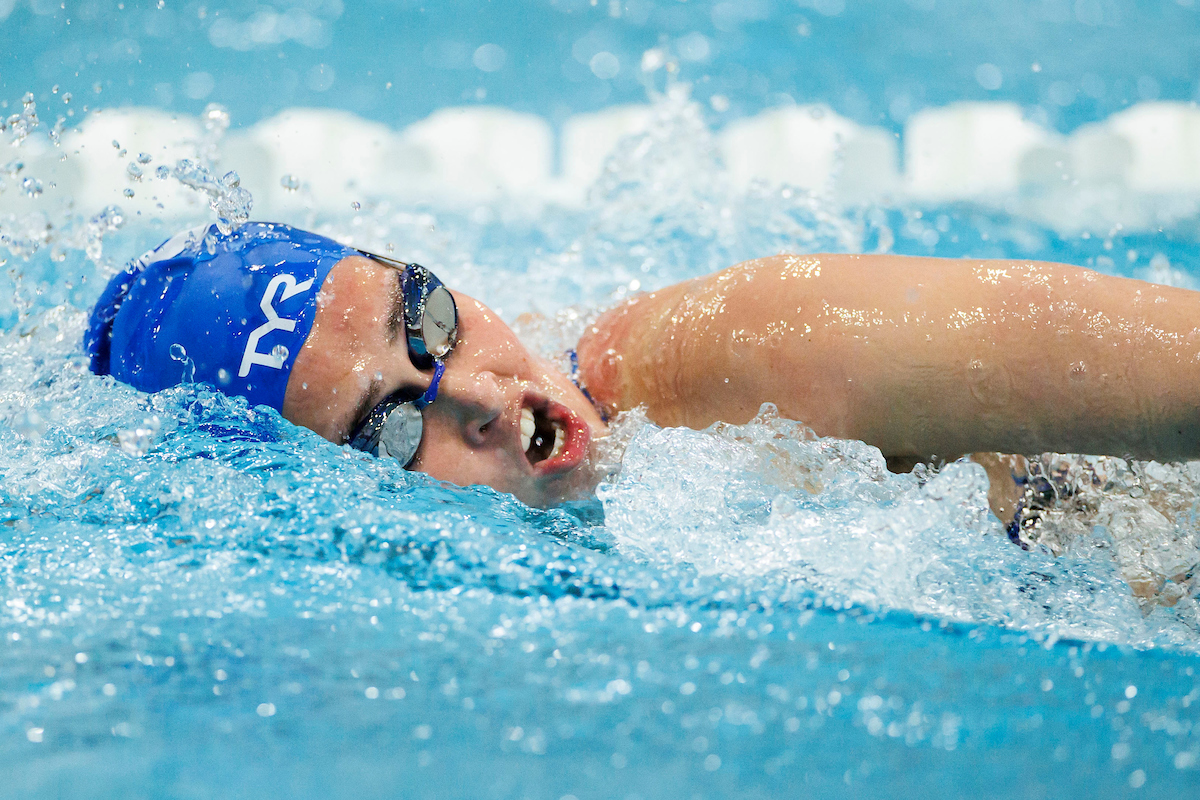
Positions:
(394, 428)
(439, 323)
(400, 434)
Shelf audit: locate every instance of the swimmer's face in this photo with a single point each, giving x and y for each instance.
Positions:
(472, 432)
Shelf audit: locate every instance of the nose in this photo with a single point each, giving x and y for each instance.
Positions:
(475, 405)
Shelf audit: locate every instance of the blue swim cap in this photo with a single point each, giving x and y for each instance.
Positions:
(232, 310)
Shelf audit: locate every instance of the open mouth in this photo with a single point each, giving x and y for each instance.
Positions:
(541, 438)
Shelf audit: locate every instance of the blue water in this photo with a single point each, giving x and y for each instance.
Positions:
(875, 62)
(200, 599)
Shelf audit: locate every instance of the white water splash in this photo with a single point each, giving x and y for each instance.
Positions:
(771, 499)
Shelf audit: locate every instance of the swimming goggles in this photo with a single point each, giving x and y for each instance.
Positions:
(395, 426)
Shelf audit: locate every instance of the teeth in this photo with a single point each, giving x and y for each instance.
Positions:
(527, 428)
(559, 439)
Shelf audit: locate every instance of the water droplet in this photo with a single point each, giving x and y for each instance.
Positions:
(178, 352)
(280, 352)
(143, 158)
(133, 172)
(356, 205)
(116, 145)
(20, 125)
(109, 219)
(290, 182)
(216, 119)
(32, 187)
(223, 377)
(162, 173)
(128, 192)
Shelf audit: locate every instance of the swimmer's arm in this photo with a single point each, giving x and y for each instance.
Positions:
(920, 357)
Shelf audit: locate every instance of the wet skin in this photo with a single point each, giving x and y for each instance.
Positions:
(351, 361)
(919, 357)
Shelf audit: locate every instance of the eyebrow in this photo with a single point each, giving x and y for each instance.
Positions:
(394, 324)
(395, 317)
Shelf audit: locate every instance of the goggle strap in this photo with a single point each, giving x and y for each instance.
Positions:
(432, 392)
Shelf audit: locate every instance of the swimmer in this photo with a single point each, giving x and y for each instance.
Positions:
(927, 359)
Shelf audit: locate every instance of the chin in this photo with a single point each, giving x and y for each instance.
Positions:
(578, 484)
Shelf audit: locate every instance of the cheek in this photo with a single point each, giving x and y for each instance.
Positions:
(465, 467)
(444, 455)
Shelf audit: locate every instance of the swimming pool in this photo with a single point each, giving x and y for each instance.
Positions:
(200, 599)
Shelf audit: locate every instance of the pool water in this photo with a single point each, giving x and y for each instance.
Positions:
(200, 599)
